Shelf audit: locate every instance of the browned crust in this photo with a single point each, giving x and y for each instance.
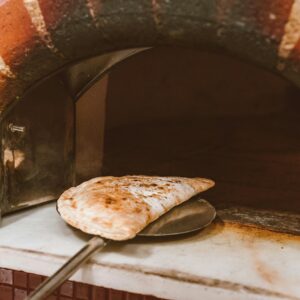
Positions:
(119, 207)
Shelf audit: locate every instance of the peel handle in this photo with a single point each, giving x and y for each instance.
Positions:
(48, 286)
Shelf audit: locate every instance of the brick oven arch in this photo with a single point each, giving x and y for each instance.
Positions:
(38, 38)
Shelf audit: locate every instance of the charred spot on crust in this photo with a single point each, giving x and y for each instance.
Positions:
(110, 200)
(148, 185)
(103, 181)
(144, 184)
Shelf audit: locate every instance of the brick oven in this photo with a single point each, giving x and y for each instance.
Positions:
(156, 87)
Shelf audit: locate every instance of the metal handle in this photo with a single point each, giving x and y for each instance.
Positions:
(49, 285)
(15, 128)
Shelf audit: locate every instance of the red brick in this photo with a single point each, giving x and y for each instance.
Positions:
(66, 289)
(82, 291)
(65, 298)
(6, 276)
(6, 292)
(52, 297)
(131, 296)
(115, 295)
(43, 278)
(98, 293)
(20, 279)
(34, 280)
(19, 294)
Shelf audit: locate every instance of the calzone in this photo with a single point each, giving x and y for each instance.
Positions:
(118, 208)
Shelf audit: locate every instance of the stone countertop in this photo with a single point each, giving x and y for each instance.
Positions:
(224, 261)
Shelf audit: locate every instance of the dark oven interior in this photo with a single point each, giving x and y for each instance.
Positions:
(191, 113)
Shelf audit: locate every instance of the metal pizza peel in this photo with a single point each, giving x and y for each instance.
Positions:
(191, 216)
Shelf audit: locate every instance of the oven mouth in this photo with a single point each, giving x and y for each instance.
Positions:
(183, 112)
(205, 114)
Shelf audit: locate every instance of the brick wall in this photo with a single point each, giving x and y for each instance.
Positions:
(15, 285)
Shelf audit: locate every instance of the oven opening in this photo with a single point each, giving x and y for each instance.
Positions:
(189, 113)
(163, 111)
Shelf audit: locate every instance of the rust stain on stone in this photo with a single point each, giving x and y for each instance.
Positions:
(252, 231)
(266, 272)
(172, 275)
(263, 269)
(205, 281)
(251, 235)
